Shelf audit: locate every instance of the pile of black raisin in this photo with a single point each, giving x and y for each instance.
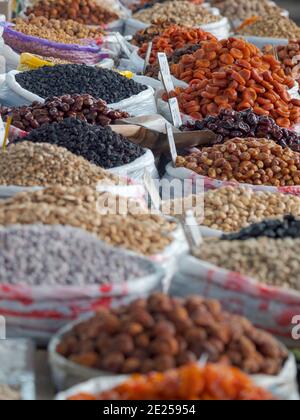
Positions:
(230, 124)
(70, 79)
(289, 227)
(98, 145)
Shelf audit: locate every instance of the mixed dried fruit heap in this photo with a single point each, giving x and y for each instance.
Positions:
(233, 74)
(289, 56)
(191, 382)
(173, 38)
(161, 332)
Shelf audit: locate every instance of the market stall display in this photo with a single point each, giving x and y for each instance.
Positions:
(131, 254)
(191, 382)
(83, 107)
(160, 333)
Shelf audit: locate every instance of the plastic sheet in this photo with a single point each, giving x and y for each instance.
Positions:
(88, 54)
(39, 311)
(135, 170)
(269, 308)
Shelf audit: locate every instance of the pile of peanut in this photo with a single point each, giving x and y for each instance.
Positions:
(248, 161)
(271, 26)
(275, 262)
(230, 209)
(62, 31)
(244, 9)
(137, 231)
(34, 164)
(180, 12)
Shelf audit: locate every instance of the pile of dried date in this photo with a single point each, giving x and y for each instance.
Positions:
(83, 107)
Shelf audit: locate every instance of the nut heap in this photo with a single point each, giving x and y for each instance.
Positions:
(234, 74)
(250, 161)
(211, 382)
(230, 209)
(99, 145)
(181, 12)
(274, 262)
(289, 56)
(29, 164)
(173, 38)
(69, 79)
(161, 333)
(270, 26)
(66, 32)
(56, 109)
(138, 231)
(145, 4)
(229, 124)
(63, 255)
(245, 9)
(86, 12)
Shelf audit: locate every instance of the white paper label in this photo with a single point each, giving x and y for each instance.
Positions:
(123, 45)
(152, 190)
(175, 112)
(192, 230)
(148, 55)
(172, 144)
(165, 72)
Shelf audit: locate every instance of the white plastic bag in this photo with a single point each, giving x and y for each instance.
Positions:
(12, 94)
(282, 386)
(2, 132)
(38, 312)
(141, 104)
(269, 308)
(213, 184)
(135, 170)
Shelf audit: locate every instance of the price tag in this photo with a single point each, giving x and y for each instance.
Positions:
(175, 112)
(152, 190)
(123, 45)
(148, 55)
(172, 144)
(165, 72)
(192, 230)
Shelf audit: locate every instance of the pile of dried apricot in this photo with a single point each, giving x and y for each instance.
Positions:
(191, 382)
(174, 38)
(234, 74)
